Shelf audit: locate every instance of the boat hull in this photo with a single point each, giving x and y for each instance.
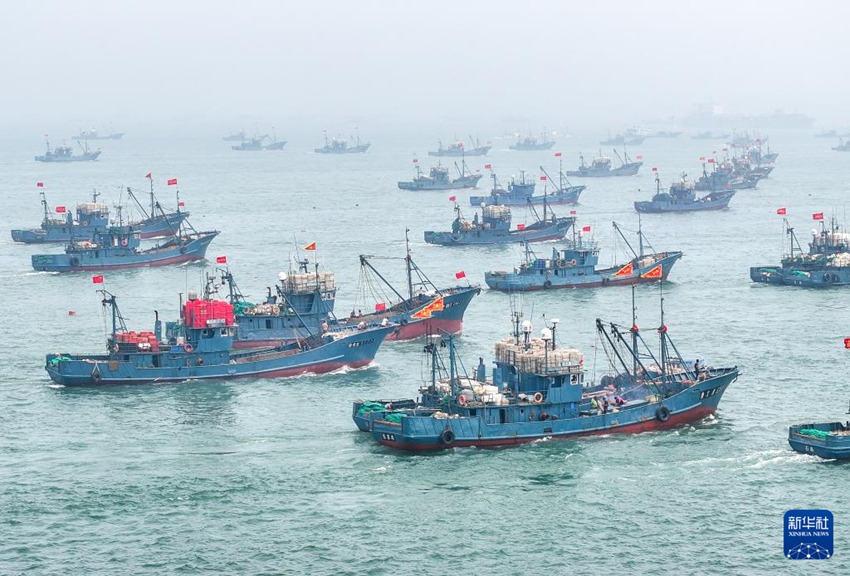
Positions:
(88, 157)
(531, 279)
(567, 196)
(664, 207)
(157, 227)
(485, 430)
(480, 151)
(835, 445)
(555, 231)
(821, 277)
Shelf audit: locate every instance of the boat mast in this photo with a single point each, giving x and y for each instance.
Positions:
(46, 208)
(408, 263)
(620, 232)
(634, 330)
(662, 332)
(640, 236)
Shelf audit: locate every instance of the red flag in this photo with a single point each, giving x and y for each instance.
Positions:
(221, 260)
(847, 342)
(488, 166)
(655, 168)
(815, 216)
(655, 272)
(543, 178)
(415, 161)
(781, 211)
(626, 270)
(149, 175)
(380, 307)
(71, 313)
(460, 274)
(452, 198)
(586, 229)
(557, 154)
(181, 203)
(172, 182)
(710, 160)
(62, 210)
(702, 158)
(460, 144)
(520, 226)
(311, 246)
(573, 212)
(40, 184)
(97, 279)
(639, 156)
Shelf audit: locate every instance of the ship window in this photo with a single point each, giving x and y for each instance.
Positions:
(268, 323)
(155, 360)
(207, 333)
(502, 418)
(224, 331)
(473, 411)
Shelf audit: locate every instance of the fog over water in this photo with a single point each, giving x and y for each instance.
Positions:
(390, 67)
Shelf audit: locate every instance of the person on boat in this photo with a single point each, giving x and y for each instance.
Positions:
(604, 404)
(456, 225)
(697, 368)
(475, 219)
(619, 400)
(595, 405)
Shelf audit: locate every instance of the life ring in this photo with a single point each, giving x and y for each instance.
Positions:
(561, 263)
(200, 361)
(86, 223)
(663, 414)
(114, 348)
(538, 397)
(75, 261)
(827, 277)
(547, 284)
(96, 375)
(124, 242)
(462, 400)
(573, 262)
(183, 249)
(188, 348)
(447, 437)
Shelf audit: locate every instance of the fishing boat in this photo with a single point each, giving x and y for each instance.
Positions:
(601, 166)
(458, 149)
(667, 134)
(65, 153)
(576, 267)
(200, 347)
(338, 145)
(494, 227)
(756, 154)
(95, 135)
(235, 136)
(830, 440)
(842, 146)
(258, 143)
(540, 390)
(629, 137)
(425, 308)
(117, 247)
(710, 135)
(827, 263)
(439, 179)
(521, 192)
(682, 198)
(533, 143)
(156, 221)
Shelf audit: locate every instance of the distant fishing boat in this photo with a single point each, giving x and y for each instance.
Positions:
(94, 135)
(339, 145)
(829, 440)
(65, 153)
(630, 137)
(117, 247)
(682, 198)
(667, 134)
(710, 135)
(521, 192)
(575, 267)
(601, 167)
(533, 143)
(200, 347)
(827, 263)
(439, 179)
(257, 143)
(235, 136)
(458, 149)
(539, 390)
(842, 146)
(494, 227)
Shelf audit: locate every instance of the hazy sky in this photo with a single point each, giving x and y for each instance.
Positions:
(225, 63)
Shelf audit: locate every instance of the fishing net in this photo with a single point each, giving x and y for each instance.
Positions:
(814, 433)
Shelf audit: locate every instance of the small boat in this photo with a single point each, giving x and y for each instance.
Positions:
(65, 153)
(257, 143)
(94, 135)
(438, 179)
(575, 267)
(667, 134)
(826, 265)
(540, 390)
(629, 137)
(200, 347)
(683, 198)
(494, 227)
(533, 143)
(842, 146)
(425, 309)
(521, 192)
(458, 149)
(117, 247)
(709, 135)
(338, 145)
(830, 440)
(235, 137)
(601, 167)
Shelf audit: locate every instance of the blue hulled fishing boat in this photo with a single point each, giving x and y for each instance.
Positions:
(826, 264)
(494, 227)
(630, 137)
(458, 149)
(200, 347)
(235, 136)
(539, 390)
(95, 135)
(829, 440)
(682, 198)
(533, 143)
(601, 167)
(438, 179)
(338, 145)
(65, 153)
(521, 193)
(117, 247)
(842, 146)
(258, 143)
(575, 267)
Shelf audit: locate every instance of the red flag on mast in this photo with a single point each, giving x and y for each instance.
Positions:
(149, 175)
(557, 154)
(781, 211)
(40, 184)
(452, 198)
(460, 274)
(817, 216)
(311, 246)
(172, 182)
(221, 260)
(97, 279)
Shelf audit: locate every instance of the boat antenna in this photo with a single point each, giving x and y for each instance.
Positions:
(45, 206)
(662, 332)
(408, 263)
(634, 330)
(640, 235)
